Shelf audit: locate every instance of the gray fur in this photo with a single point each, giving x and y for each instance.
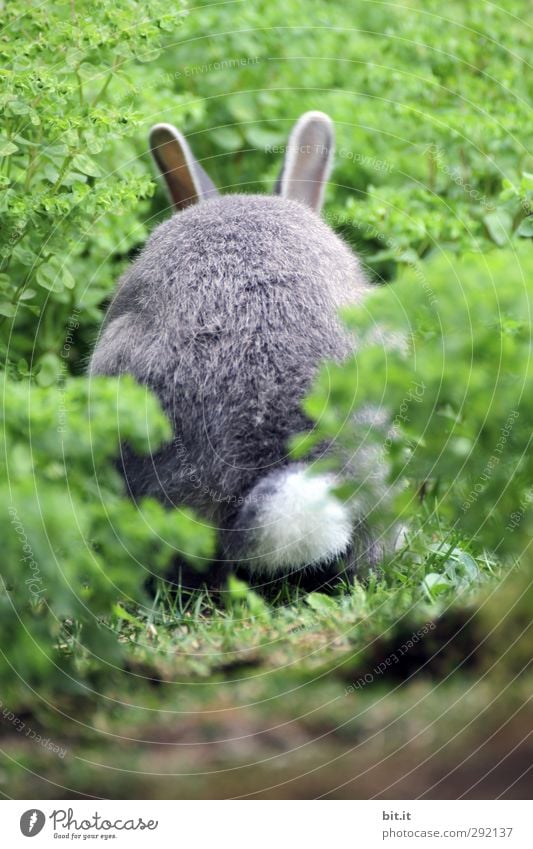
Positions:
(227, 314)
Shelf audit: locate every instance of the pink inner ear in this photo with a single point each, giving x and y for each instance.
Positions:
(174, 168)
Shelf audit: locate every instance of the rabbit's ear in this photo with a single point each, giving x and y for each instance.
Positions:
(308, 160)
(186, 180)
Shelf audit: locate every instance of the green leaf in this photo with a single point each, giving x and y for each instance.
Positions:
(19, 107)
(525, 229)
(86, 165)
(228, 138)
(263, 138)
(435, 584)
(27, 295)
(499, 225)
(48, 277)
(321, 603)
(68, 279)
(125, 615)
(50, 367)
(7, 148)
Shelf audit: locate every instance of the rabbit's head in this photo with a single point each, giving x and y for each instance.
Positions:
(252, 266)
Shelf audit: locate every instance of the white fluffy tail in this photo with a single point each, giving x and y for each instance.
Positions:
(292, 519)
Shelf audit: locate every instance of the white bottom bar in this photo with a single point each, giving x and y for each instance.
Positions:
(266, 824)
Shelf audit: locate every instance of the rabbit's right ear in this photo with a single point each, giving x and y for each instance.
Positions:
(186, 180)
(308, 160)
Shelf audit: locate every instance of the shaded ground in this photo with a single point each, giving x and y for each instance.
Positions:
(452, 719)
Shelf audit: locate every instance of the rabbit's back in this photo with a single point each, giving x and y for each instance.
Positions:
(226, 315)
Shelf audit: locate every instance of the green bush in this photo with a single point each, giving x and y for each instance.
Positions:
(74, 545)
(78, 91)
(71, 182)
(430, 112)
(451, 367)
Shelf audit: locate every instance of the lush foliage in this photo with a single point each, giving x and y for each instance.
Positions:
(453, 356)
(430, 114)
(74, 96)
(71, 187)
(73, 544)
(433, 185)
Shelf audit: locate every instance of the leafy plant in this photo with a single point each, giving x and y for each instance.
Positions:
(74, 545)
(70, 179)
(430, 130)
(449, 381)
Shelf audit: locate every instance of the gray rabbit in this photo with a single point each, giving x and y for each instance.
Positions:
(226, 315)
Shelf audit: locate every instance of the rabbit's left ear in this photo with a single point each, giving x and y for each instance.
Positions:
(308, 160)
(186, 180)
